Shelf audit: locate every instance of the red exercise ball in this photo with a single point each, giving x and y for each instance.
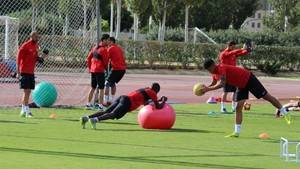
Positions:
(151, 118)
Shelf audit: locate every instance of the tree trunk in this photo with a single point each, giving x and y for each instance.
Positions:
(118, 27)
(111, 18)
(33, 19)
(135, 26)
(66, 25)
(186, 25)
(150, 23)
(159, 31)
(84, 18)
(163, 27)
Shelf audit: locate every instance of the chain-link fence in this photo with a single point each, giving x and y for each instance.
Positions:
(68, 31)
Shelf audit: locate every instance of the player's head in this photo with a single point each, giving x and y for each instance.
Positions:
(231, 45)
(111, 40)
(209, 65)
(104, 39)
(155, 87)
(34, 36)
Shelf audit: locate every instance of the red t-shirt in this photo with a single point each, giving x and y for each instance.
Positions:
(97, 65)
(27, 57)
(235, 76)
(229, 57)
(116, 56)
(137, 99)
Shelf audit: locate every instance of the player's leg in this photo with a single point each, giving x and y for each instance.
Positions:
(259, 91)
(100, 83)
(27, 83)
(224, 98)
(89, 104)
(85, 119)
(241, 96)
(118, 112)
(233, 103)
(118, 75)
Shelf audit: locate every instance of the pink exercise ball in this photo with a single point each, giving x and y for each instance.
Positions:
(151, 118)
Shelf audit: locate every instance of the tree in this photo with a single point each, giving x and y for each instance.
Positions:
(284, 11)
(188, 4)
(137, 8)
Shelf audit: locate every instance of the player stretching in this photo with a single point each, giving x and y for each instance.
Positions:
(245, 81)
(97, 61)
(26, 61)
(125, 104)
(229, 57)
(118, 65)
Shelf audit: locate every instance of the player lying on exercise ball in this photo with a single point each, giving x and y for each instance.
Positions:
(245, 81)
(127, 103)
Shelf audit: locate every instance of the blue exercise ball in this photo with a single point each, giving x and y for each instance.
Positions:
(44, 94)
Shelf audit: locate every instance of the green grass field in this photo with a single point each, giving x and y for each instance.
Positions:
(196, 141)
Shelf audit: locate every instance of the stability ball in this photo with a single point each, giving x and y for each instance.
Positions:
(151, 118)
(44, 94)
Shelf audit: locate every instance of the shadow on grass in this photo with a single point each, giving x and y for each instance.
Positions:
(141, 145)
(15, 122)
(136, 159)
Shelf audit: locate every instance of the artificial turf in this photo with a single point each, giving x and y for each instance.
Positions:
(196, 141)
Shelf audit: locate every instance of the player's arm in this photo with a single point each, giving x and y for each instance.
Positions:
(239, 52)
(159, 104)
(41, 58)
(214, 82)
(218, 85)
(89, 59)
(20, 57)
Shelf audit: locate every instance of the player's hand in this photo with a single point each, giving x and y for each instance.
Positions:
(205, 89)
(18, 76)
(164, 98)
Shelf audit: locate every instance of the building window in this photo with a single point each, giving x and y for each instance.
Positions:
(258, 15)
(253, 24)
(258, 25)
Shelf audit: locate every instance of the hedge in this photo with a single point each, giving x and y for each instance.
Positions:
(71, 52)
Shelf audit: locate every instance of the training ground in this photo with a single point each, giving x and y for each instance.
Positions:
(196, 140)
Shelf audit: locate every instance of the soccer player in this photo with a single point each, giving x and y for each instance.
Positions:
(26, 61)
(97, 61)
(245, 81)
(127, 103)
(118, 65)
(229, 57)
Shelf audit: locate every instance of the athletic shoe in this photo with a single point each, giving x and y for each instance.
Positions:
(94, 122)
(89, 107)
(22, 114)
(223, 110)
(99, 107)
(83, 121)
(235, 135)
(29, 115)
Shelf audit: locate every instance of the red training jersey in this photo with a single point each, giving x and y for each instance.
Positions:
(97, 65)
(27, 57)
(137, 98)
(229, 57)
(116, 56)
(235, 76)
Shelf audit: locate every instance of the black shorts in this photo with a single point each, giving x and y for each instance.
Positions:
(27, 81)
(120, 107)
(229, 88)
(254, 86)
(115, 76)
(97, 79)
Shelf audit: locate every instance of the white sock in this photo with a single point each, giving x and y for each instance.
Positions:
(27, 109)
(23, 108)
(112, 98)
(89, 103)
(283, 111)
(237, 128)
(233, 105)
(223, 105)
(106, 98)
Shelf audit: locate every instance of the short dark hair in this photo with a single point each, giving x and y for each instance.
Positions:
(104, 37)
(112, 39)
(208, 63)
(155, 87)
(231, 43)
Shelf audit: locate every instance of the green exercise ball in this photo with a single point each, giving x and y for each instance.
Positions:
(44, 94)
